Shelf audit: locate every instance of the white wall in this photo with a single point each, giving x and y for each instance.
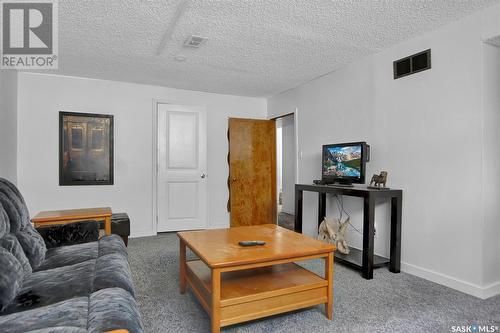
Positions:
(491, 161)
(40, 99)
(288, 163)
(8, 125)
(425, 129)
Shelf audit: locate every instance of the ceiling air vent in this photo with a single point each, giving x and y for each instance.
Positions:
(413, 64)
(195, 41)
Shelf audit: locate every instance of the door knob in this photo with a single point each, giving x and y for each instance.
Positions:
(203, 175)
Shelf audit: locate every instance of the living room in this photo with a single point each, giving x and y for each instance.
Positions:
(330, 64)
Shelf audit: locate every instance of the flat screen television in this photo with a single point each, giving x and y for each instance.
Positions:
(344, 163)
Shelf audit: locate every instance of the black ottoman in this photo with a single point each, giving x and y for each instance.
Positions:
(120, 225)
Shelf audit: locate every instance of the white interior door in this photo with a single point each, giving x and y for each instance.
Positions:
(182, 167)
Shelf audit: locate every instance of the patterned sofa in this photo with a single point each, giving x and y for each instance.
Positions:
(49, 286)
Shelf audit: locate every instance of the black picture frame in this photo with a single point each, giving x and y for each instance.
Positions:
(86, 149)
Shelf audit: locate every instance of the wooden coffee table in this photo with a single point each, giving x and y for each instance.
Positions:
(47, 218)
(236, 284)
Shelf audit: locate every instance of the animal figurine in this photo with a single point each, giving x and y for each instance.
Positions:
(333, 231)
(379, 179)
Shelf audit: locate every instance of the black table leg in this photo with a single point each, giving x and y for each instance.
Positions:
(321, 207)
(298, 211)
(368, 237)
(396, 207)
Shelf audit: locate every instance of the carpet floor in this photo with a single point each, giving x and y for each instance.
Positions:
(388, 303)
(286, 220)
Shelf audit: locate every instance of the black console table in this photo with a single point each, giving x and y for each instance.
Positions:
(364, 260)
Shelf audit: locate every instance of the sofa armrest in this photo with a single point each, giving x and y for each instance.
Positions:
(70, 233)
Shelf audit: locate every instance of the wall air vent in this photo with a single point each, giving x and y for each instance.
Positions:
(195, 41)
(413, 64)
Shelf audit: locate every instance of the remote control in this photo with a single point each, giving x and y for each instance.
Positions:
(251, 243)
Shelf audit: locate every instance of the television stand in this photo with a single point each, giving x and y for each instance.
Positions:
(364, 259)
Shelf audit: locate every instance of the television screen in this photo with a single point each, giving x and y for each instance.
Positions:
(342, 161)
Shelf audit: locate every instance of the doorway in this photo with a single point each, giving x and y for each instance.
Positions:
(286, 174)
(181, 168)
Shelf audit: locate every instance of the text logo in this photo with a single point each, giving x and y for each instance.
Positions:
(474, 328)
(29, 34)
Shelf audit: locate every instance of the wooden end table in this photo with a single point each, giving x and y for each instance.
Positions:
(235, 284)
(47, 218)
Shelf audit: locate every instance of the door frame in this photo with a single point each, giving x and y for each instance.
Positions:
(154, 206)
(298, 152)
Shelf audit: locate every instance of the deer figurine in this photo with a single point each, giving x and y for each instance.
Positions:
(331, 230)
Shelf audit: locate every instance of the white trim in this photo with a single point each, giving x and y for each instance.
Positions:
(483, 170)
(143, 234)
(154, 153)
(217, 226)
(296, 134)
(295, 114)
(491, 290)
(296, 130)
(451, 282)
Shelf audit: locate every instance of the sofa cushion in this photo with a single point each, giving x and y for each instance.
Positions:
(71, 313)
(11, 244)
(4, 222)
(11, 277)
(112, 244)
(21, 216)
(111, 309)
(32, 244)
(14, 218)
(112, 270)
(101, 311)
(60, 329)
(50, 286)
(16, 192)
(70, 255)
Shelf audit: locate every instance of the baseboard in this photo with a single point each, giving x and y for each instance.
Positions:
(148, 234)
(491, 290)
(451, 282)
(218, 226)
(142, 234)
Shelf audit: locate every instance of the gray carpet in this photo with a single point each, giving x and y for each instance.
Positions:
(286, 220)
(388, 303)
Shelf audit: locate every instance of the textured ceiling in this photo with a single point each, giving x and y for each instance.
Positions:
(255, 48)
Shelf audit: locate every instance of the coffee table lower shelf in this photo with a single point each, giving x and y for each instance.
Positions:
(261, 292)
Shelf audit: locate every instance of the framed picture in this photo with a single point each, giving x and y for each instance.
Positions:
(85, 149)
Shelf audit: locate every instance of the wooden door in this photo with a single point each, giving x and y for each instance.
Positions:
(182, 197)
(252, 171)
